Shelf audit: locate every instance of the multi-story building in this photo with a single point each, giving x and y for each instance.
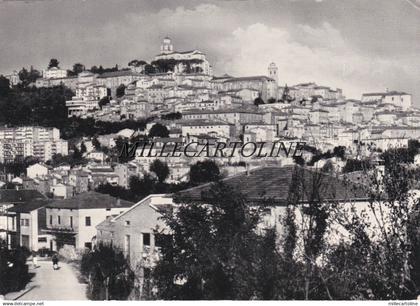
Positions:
(215, 128)
(397, 98)
(70, 82)
(29, 219)
(233, 115)
(113, 80)
(134, 230)
(54, 73)
(72, 221)
(266, 87)
(79, 180)
(40, 142)
(13, 78)
(10, 198)
(88, 95)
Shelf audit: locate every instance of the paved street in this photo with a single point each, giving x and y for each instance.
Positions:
(49, 284)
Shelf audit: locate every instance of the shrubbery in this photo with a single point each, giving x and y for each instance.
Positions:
(13, 269)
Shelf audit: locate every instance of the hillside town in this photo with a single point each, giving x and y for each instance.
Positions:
(72, 194)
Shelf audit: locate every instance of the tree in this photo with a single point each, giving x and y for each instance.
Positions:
(172, 116)
(142, 187)
(78, 68)
(158, 130)
(53, 63)
(203, 172)
(272, 100)
(13, 269)
(104, 101)
(149, 69)
(108, 272)
(83, 148)
(258, 101)
(4, 86)
(137, 63)
(28, 77)
(215, 252)
(161, 170)
(378, 257)
(356, 165)
(286, 97)
(115, 191)
(96, 144)
(314, 188)
(120, 91)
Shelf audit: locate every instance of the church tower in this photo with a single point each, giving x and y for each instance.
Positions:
(273, 72)
(166, 46)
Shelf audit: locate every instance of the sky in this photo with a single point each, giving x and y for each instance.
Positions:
(357, 45)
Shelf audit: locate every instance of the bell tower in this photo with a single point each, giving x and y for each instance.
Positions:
(166, 46)
(273, 72)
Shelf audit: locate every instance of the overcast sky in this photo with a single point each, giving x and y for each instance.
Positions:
(357, 45)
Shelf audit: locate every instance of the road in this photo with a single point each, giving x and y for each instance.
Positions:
(49, 284)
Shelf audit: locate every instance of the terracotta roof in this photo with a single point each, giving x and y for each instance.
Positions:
(274, 183)
(90, 200)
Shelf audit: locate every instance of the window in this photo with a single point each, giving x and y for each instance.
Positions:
(42, 239)
(88, 245)
(26, 222)
(71, 221)
(50, 220)
(146, 239)
(87, 221)
(127, 222)
(59, 219)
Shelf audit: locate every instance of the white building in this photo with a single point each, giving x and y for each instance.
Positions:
(24, 141)
(397, 98)
(72, 221)
(196, 60)
(13, 78)
(28, 220)
(54, 73)
(36, 170)
(88, 94)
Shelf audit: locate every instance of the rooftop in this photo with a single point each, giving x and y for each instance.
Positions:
(19, 196)
(90, 200)
(249, 78)
(29, 206)
(274, 183)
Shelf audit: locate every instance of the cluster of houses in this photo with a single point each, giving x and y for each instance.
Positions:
(24, 141)
(57, 206)
(30, 219)
(224, 106)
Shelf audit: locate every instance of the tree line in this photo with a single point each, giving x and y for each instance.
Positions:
(218, 251)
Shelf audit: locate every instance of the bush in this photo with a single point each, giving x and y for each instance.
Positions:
(70, 253)
(108, 272)
(13, 269)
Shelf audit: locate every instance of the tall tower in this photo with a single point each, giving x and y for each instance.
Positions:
(273, 72)
(166, 46)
